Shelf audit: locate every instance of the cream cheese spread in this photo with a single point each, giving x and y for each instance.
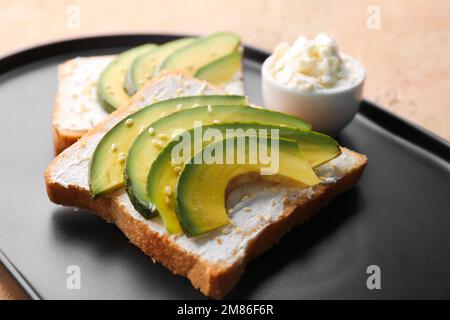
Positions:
(314, 65)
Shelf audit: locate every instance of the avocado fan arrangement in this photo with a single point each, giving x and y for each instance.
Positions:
(215, 58)
(189, 196)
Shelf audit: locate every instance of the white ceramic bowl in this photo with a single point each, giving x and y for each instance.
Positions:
(328, 111)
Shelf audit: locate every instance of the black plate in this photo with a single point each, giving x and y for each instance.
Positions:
(397, 217)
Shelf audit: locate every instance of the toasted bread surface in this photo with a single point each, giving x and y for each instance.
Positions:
(76, 108)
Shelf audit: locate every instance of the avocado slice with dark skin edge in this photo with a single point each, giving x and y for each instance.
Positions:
(222, 70)
(201, 52)
(317, 148)
(144, 150)
(110, 86)
(201, 188)
(144, 66)
(106, 169)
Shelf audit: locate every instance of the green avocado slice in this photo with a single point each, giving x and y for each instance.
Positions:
(222, 70)
(316, 148)
(201, 52)
(107, 163)
(146, 148)
(201, 188)
(110, 86)
(144, 66)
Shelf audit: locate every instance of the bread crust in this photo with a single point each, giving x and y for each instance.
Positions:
(62, 139)
(214, 280)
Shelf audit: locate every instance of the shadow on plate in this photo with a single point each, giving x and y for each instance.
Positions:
(83, 233)
(304, 239)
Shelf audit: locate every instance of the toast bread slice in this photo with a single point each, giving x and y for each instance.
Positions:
(76, 108)
(213, 262)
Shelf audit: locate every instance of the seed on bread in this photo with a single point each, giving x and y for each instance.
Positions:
(129, 122)
(122, 157)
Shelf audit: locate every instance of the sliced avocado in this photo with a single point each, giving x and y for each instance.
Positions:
(222, 70)
(316, 148)
(201, 188)
(201, 52)
(146, 148)
(144, 66)
(107, 163)
(110, 86)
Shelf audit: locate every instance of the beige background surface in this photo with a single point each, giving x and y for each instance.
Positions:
(407, 59)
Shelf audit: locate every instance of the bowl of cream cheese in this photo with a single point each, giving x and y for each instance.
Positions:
(311, 79)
